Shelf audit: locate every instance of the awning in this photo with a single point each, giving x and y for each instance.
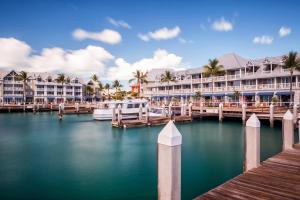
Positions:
(219, 95)
(229, 94)
(265, 93)
(50, 97)
(283, 93)
(248, 94)
(207, 95)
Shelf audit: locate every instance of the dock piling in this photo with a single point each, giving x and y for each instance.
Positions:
(244, 107)
(272, 115)
(295, 113)
(163, 110)
(114, 113)
(220, 112)
(140, 112)
(119, 114)
(252, 143)
(190, 109)
(288, 130)
(169, 163)
(147, 113)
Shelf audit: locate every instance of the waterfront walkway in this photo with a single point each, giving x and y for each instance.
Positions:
(277, 178)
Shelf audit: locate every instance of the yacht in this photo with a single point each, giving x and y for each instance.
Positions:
(130, 109)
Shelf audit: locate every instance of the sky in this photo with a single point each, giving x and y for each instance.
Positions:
(114, 38)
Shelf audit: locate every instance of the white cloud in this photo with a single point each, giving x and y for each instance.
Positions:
(16, 54)
(161, 59)
(265, 39)
(184, 41)
(118, 23)
(161, 34)
(222, 25)
(107, 36)
(284, 31)
(145, 38)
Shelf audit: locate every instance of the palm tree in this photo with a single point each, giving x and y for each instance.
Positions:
(140, 78)
(237, 95)
(23, 76)
(117, 85)
(198, 95)
(62, 79)
(167, 77)
(101, 88)
(292, 63)
(95, 80)
(107, 87)
(89, 90)
(213, 69)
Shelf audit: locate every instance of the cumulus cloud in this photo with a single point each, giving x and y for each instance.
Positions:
(160, 59)
(106, 36)
(265, 39)
(16, 54)
(284, 31)
(118, 23)
(161, 34)
(222, 25)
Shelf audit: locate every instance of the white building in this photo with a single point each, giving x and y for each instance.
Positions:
(41, 88)
(256, 80)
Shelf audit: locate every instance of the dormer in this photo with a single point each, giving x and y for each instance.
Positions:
(39, 79)
(49, 79)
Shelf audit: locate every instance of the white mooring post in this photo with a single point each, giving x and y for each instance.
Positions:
(77, 107)
(190, 109)
(295, 113)
(163, 110)
(147, 113)
(201, 107)
(220, 112)
(272, 115)
(244, 107)
(114, 113)
(119, 114)
(169, 163)
(252, 142)
(140, 112)
(288, 130)
(170, 110)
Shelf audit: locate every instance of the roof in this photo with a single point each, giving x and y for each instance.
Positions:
(232, 61)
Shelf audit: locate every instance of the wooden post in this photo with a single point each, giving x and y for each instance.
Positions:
(114, 113)
(147, 114)
(252, 143)
(190, 109)
(170, 110)
(244, 107)
(77, 107)
(140, 112)
(51, 106)
(163, 110)
(272, 115)
(201, 107)
(61, 108)
(288, 130)
(169, 163)
(119, 114)
(295, 113)
(220, 112)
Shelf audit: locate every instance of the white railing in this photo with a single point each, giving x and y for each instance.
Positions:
(220, 78)
(249, 87)
(233, 88)
(220, 89)
(266, 86)
(285, 85)
(206, 89)
(233, 77)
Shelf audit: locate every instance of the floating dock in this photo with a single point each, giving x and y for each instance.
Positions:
(277, 178)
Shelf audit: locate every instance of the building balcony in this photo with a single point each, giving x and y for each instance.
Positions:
(207, 89)
(285, 85)
(233, 77)
(220, 89)
(249, 87)
(233, 88)
(266, 86)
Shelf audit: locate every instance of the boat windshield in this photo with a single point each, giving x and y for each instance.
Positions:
(135, 105)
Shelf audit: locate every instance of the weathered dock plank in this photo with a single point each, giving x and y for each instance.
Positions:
(277, 178)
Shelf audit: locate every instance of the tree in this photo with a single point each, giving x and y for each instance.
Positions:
(107, 87)
(23, 76)
(198, 95)
(95, 80)
(211, 70)
(292, 63)
(167, 77)
(117, 85)
(89, 90)
(236, 95)
(140, 78)
(62, 79)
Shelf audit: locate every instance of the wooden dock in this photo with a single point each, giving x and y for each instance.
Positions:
(277, 178)
(153, 121)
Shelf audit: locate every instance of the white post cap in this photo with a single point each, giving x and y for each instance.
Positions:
(253, 121)
(272, 105)
(119, 106)
(295, 106)
(170, 135)
(220, 105)
(140, 106)
(288, 115)
(244, 105)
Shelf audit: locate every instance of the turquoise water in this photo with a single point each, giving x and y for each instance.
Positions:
(78, 158)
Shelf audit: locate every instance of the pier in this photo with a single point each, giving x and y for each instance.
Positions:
(277, 178)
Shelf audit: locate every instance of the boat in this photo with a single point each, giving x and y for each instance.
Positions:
(157, 112)
(130, 109)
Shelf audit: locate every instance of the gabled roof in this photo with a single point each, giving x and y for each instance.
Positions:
(232, 61)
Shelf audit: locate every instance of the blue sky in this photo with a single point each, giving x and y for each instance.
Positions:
(51, 24)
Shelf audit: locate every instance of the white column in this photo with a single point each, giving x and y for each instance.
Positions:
(244, 107)
(288, 130)
(114, 113)
(252, 138)
(271, 115)
(220, 112)
(169, 163)
(295, 113)
(119, 114)
(190, 109)
(140, 112)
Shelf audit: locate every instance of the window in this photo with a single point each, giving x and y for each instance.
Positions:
(39, 79)
(40, 92)
(50, 93)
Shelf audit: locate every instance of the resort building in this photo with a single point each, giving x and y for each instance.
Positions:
(40, 88)
(245, 81)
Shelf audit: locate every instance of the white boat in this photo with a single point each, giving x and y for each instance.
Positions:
(130, 109)
(157, 112)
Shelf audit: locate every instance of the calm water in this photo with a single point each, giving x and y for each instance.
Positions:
(78, 158)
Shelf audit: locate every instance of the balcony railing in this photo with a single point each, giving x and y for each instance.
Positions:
(266, 86)
(233, 77)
